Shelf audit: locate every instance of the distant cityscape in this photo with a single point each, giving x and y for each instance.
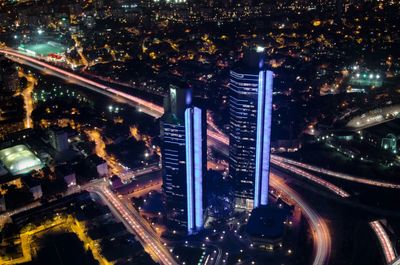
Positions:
(204, 132)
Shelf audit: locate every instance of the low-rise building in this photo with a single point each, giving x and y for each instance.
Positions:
(266, 227)
(67, 174)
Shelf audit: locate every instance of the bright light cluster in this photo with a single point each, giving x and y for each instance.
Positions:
(19, 160)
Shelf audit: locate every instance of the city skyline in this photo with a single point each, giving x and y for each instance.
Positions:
(199, 132)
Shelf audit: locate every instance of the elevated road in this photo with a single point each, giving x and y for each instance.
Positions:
(322, 240)
(143, 105)
(384, 240)
(321, 234)
(334, 174)
(396, 262)
(134, 222)
(374, 117)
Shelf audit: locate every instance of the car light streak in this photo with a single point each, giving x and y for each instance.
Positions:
(384, 240)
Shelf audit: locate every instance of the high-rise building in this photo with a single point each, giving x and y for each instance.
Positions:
(59, 139)
(248, 113)
(183, 134)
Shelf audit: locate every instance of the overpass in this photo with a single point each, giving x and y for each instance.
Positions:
(374, 117)
(321, 235)
(322, 240)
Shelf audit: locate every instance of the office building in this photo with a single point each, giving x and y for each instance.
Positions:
(183, 134)
(59, 139)
(250, 110)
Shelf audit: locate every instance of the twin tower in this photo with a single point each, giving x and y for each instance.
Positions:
(184, 144)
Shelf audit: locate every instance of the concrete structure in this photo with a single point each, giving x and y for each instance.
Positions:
(97, 163)
(384, 136)
(59, 139)
(266, 227)
(34, 187)
(67, 174)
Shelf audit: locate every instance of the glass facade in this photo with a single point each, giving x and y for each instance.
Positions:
(242, 135)
(250, 130)
(183, 158)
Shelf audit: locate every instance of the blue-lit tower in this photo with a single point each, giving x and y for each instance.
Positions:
(183, 134)
(263, 138)
(249, 111)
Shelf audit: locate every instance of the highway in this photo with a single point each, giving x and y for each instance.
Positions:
(387, 247)
(333, 188)
(374, 117)
(321, 234)
(145, 106)
(331, 173)
(134, 222)
(396, 262)
(322, 239)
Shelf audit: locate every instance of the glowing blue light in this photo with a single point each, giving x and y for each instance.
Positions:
(198, 168)
(260, 118)
(189, 168)
(264, 113)
(194, 168)
(188, 97)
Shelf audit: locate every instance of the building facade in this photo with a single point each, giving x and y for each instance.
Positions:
(250, 103)
(242, 134)
(183, 137)
(263, 140)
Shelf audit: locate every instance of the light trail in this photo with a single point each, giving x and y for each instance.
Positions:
(384, 240)
(335, 189)
(68, 75)
(137, 227)
(322, 238)
(321, 232)
(374, 117)
(336, 174)
(396, 262)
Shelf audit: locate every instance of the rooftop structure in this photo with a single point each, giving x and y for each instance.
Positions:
(19, 160)
(266, 226)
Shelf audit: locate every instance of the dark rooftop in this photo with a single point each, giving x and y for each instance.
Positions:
(267, 222)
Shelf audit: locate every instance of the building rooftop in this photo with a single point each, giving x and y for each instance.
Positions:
(19, 160)
(383, 129)
(267, 222)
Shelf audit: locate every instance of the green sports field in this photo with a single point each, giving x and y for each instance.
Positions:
(44, 48)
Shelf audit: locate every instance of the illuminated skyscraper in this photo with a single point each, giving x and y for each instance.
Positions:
(249, 114)
(183, 134)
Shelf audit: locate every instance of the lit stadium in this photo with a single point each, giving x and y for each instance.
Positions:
(19, 160)
(43, 49)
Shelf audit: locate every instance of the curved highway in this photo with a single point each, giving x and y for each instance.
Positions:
(321, 235)
(322, 240)
(333, 188)
(386, 245)
(331, 173)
